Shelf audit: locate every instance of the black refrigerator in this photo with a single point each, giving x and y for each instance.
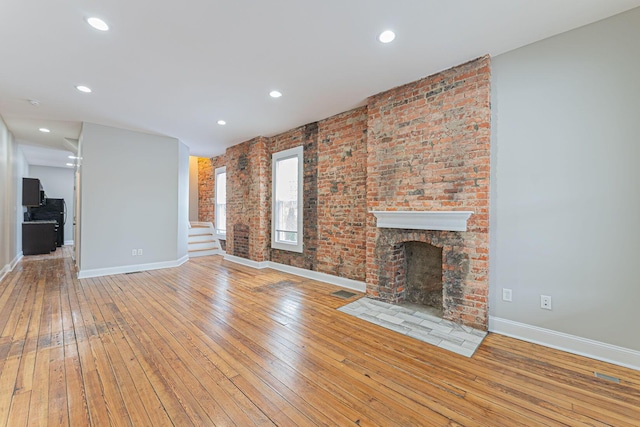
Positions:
(53, 209)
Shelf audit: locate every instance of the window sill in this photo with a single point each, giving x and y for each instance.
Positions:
(287, 247)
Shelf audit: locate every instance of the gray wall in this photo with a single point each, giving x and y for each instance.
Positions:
(6, 141)
(19, 169)
(129, 190)
(193, 188)
(565, 182)
(183, 199)
(58, 184)
(13, 167)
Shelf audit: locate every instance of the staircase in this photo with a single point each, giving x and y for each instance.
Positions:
(202, 240)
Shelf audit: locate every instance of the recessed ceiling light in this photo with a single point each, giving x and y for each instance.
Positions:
(222, 122)
(34, 102)
(70, 164)
(386, 36)
(44, 130)
(275, 94)
(84, 89)
(73, 157)
(98, 24)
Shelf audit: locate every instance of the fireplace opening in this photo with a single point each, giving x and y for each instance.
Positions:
(423, 275)
(431, 256)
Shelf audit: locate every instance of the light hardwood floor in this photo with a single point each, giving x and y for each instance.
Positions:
(215, 343)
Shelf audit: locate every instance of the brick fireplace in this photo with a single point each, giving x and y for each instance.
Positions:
(423, 258)
(428, 151)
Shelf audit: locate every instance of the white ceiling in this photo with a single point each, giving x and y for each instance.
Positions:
(175, 68)
(43, 156)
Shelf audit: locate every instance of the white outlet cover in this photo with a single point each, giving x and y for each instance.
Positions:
(133, 252)
(139, 251)
(545, 302)
(507, 294)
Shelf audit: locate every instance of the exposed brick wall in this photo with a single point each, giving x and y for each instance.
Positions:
(342, 208)
(247, 205)
(428, 149)
(342, 183)
(206, 202)
(421, 146)
(241, 240)
(307, 136)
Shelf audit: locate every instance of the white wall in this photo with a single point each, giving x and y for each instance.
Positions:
(130, 199)
(58, 184)
(13, 167)
(193, 188)
(565, 213)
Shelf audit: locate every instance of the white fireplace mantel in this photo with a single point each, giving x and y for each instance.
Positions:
(423, 220)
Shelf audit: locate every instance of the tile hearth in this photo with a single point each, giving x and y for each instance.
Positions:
(417, 323)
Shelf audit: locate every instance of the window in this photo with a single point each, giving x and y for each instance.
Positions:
(221, 201)
(286, 224)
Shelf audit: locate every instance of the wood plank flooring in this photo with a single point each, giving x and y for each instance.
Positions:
(215, 343)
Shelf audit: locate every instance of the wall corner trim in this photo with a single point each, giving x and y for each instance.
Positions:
(84, 274)
(301, 272)
(570, 343)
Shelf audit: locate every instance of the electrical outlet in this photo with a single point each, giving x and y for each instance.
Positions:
(507, 294)
(139, 251)
(134, 252)
(545, 302)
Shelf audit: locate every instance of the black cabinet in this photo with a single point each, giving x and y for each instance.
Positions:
(51, 210)
(32, 192)
(43, 229)
(39, 237)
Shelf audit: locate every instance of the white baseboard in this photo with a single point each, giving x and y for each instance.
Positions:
(320, 277)
(4, 271)
(247, 262)
(308, 274)
(15, 261)
(9, 267)
(182, 260)
(570, 343)
(68, 243)
(84, 274)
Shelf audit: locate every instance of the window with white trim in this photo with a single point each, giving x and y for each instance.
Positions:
(286, 223)
(221, 201)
